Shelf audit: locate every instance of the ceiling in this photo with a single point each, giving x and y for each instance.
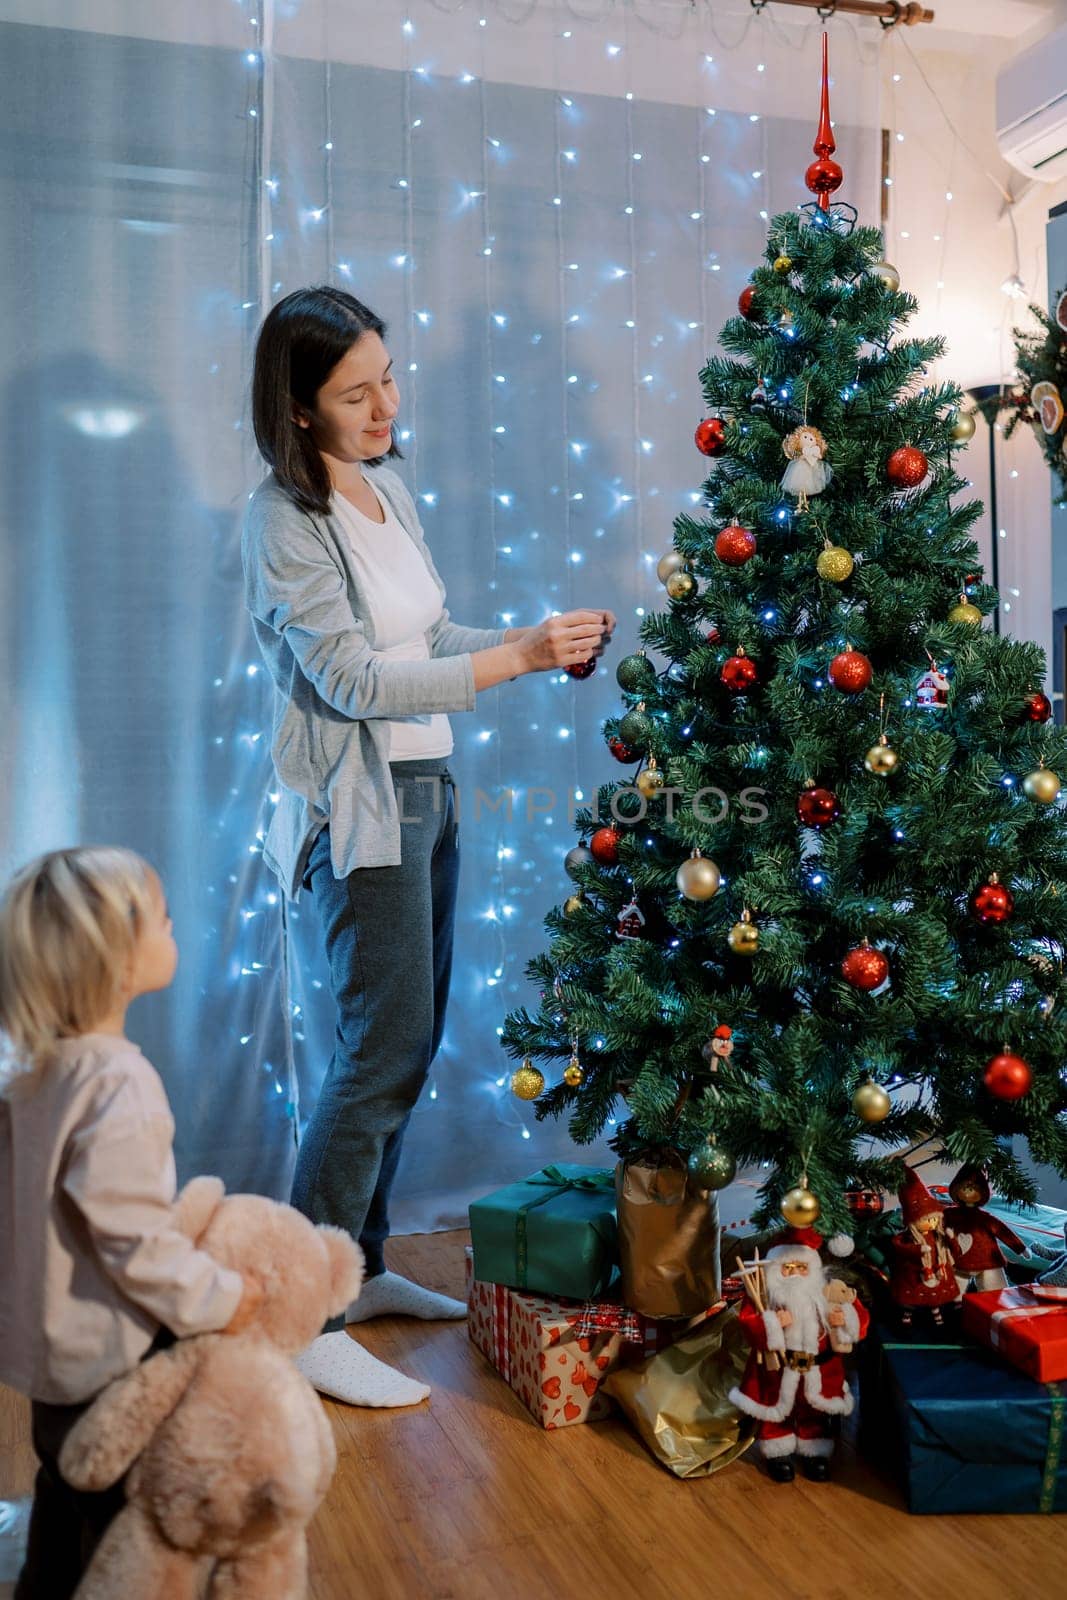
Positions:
(1006, 19)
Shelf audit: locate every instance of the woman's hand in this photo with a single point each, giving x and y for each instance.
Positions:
(564, 641)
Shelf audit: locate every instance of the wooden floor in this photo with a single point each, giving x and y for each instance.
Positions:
(466, 1498)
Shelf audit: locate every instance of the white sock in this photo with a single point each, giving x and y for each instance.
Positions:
(337, 1366)
(390, 1295)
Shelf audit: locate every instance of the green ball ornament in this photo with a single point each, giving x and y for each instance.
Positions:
(711, 1167)
(634, 673)
(636, 729)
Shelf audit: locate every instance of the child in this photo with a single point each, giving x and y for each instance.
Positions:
(95, 1274)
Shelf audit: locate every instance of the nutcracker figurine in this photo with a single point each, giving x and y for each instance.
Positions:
(922, 1266)
(794, 1383)
(978, 1234)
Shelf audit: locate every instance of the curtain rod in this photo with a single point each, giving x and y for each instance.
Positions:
(889, 12)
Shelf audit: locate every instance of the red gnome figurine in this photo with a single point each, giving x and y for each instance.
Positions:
(794, 1383)
(977, 1235)
(921, 1269)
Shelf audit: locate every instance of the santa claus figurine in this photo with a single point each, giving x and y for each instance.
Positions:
(794, 1383)
(977, 1235)
(922, 1265)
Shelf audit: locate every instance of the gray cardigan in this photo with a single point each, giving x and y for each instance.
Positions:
(333, 693)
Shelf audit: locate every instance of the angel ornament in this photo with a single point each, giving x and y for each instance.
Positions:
(808, 471)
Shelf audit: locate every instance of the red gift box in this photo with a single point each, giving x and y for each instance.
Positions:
(555, 1354)
(1029, 1332)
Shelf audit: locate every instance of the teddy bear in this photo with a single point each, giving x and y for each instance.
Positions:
(839, 1293)
(227, 1446)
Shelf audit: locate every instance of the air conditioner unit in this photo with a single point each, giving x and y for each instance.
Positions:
(1032, 108)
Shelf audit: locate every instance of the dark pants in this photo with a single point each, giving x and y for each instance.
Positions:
(388, 937)
(66, 1524)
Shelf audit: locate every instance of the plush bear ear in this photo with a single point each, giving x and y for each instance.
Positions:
(346, 1266)
(197, 1204)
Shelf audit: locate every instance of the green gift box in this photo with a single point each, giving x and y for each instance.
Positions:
(553, 1233)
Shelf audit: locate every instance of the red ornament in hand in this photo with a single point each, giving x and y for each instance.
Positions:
(850, 671)
(605, 846)
(906, 467)
(581, 669)
(1007, 1077)
(711, 436)
(744, 301)
(993, 902)
(817, 808)
(739, 673)
(1037, 707)
(622, 751)
(865, 967)
(735, 545)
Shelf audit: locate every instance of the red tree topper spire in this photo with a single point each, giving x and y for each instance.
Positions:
(824, 175)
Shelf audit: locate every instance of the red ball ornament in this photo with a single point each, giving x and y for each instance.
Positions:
(864, 1202)
(824, 176)
(865, 967)
(744, 301)
(622, 751)
(1037, 707)
(739, 673)
(581, 669)
(906, 467)
(711, 436)
(817, 808)
(735, 545)
(1007, 1077)
(992, 902)
(605, 846)
(850, 671)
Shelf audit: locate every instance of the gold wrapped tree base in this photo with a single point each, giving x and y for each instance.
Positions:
(676, 1401)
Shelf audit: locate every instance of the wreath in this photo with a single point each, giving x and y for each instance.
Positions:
(1042, 362)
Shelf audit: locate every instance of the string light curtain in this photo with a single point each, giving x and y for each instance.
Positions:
(554, 214)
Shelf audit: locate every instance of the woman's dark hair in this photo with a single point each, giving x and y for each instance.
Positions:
(301, 341)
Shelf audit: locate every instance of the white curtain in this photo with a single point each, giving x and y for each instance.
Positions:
(554, 216)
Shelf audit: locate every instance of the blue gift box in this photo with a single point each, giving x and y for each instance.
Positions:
(553, 1233)
(962, 1431)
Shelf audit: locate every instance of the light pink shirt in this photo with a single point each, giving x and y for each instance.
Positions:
(91, 1261)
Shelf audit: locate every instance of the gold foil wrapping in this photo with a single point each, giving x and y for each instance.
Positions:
(668, 1240)
(676, 1401)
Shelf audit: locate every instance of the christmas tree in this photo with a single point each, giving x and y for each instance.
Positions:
(824, 923)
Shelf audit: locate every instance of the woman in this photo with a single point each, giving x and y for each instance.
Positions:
(347, 608)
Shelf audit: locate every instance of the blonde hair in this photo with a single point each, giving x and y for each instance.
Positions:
(793, 443)
(69, 922)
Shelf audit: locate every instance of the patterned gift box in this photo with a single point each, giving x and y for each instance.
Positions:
(555, 1354)
(1029, 1332)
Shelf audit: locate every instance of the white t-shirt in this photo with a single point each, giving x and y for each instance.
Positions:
(404, 601)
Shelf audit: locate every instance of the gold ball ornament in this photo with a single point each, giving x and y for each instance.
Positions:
(527, 1081)
(871, 1103)
(572, 1073)
(963, 426)
(886, 273)
(881, 758)
(680, 585)
(965, 612)
(673, 561)
(573, 904)
(1041, 785)
(650, 780)
(698, 878)
(743, 937)
(835, 564)
(800, 1207)
(783, 263)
